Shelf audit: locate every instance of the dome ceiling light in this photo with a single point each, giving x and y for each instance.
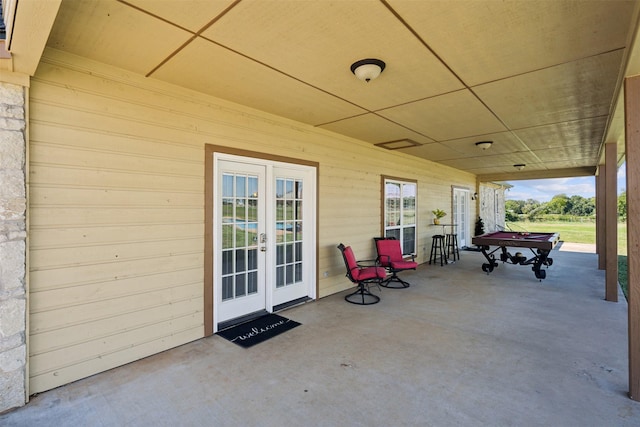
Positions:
(367, 69)
(484, 144)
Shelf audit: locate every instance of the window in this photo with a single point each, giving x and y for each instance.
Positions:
(400, 212)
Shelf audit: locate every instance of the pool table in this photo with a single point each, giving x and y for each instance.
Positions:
(543, 243)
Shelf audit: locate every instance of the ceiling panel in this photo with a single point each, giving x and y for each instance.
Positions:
(435, 151)
(503, 142)
(585, 133)
(588, 153)
(114, 33)
(209, 68)
(375, 129)
(454, 115)
(317, 41)
(192, 15)
(507, 159)
(571, 91)
(484, 41)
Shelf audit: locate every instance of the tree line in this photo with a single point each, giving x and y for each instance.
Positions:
(560, 207)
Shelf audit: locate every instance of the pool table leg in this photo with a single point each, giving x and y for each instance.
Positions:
(488, 267)
(542, 258)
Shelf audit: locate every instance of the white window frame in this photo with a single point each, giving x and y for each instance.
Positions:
(400, 227)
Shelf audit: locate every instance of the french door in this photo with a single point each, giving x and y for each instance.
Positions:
(461, 215)
(264, 235)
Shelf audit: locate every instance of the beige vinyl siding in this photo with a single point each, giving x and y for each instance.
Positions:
(117, 209)
(116, 229)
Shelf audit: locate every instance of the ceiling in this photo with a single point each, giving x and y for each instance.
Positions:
(541, 79)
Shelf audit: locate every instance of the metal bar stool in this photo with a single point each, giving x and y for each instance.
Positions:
(452, 246)
(437, 250)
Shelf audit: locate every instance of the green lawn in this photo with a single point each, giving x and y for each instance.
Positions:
(574, 232)
(581, 232)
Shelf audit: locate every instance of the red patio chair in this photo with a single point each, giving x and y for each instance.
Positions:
(362, 276)
(390, 257)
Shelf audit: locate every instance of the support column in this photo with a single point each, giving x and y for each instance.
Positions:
(13, 294)
(611, 222)
(632, 147)
(600, 224)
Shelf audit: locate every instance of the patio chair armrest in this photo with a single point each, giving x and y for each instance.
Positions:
(368, 263)
(380, 259)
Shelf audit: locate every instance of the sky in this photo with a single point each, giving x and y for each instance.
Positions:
(543, 190)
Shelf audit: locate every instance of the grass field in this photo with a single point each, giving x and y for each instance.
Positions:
(574, 232)
(581, 232)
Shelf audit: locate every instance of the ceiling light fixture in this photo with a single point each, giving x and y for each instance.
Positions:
(484, 144)
(519, 166)
(367, 69)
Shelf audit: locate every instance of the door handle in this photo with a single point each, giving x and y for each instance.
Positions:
(263, 249)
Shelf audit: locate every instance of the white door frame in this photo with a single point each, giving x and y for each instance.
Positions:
(310, 222)
(461, 219)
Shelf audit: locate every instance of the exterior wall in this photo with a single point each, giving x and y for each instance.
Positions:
(492, 209)
(500, 208)
(117, 209)
(13, 285)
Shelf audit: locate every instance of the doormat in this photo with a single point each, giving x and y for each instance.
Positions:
(258, 330)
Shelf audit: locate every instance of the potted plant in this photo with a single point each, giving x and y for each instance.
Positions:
(479, 227)
(438, 213)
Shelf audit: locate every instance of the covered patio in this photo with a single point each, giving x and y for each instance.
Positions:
(123, 124)
(458, 347)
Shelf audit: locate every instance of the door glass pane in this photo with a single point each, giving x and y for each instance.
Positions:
(279, 255)
(288, 253)
(252, 262)
(279, 277)
(298, 251)
(252, 210)
(252, 285)
(289, 210)
(241, 189)
(227, 262)
(240, 260)
(241, 289)
(298, 225)
(241, 210)
(289, 226)
(298, 213)
(227, 288)
(227, 236)
(239, 235)
(288, 231)
(298, 185)
(227, 185)
(289, 274)
(252, 187)
(279, 210)
(279, 189)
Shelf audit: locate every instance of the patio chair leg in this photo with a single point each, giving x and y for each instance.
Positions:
(394, 278)
(363, 294)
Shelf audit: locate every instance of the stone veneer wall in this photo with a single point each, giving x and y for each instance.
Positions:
(13, 286)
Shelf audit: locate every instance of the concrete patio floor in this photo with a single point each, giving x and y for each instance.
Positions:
(457, 348)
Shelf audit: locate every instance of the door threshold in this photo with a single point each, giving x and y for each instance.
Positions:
(241, 319)
(291, 303)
